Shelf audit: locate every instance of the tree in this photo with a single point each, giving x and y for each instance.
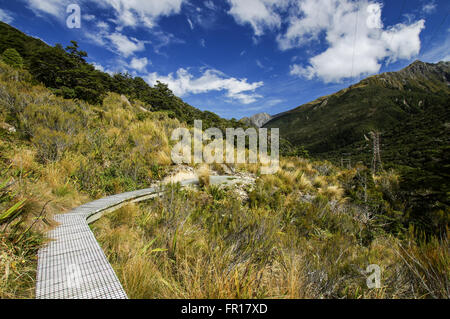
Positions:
(76, 54)
(12, 58)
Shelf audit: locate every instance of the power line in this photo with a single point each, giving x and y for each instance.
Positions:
(354, 41)
(440, 26)
(398, 18)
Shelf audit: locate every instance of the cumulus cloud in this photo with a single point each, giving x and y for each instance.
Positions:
(183, 83)
(357, 42)
(139, 64)
(260, 14)
(6, 16)
(125, 45)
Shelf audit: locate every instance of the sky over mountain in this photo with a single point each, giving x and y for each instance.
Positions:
(240, 57)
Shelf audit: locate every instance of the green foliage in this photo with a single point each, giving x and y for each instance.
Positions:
(279, 243)
(67, 73)
(410, 109)
(18, 241)
(12, 58)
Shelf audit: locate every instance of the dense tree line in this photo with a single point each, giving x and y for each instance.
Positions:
(66, 72)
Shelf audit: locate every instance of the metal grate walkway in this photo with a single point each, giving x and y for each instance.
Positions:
(73, 265)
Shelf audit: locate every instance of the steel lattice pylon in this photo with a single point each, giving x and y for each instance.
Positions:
(377, 165)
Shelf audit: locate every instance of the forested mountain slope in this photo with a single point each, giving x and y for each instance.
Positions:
(410, 109)
(68, 74)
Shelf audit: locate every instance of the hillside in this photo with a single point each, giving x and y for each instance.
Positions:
(377, 103)
(308, 231)
(410, 108)
(280, 237)
(67, 74)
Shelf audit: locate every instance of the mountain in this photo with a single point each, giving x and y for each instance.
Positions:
(257, 120)
(66, 72)
(379, 102)
(410, 109)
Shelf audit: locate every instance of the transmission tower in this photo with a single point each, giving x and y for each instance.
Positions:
(377, 165)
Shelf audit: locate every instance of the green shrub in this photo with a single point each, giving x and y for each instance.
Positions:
(12, 58)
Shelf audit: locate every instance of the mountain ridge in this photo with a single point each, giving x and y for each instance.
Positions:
(410, 110)
(67, 73)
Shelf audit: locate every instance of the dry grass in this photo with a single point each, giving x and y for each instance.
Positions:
(203, 173)
(332, 192)
(294, 237)
(197, 244)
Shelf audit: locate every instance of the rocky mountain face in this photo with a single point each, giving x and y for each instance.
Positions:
(257, 120)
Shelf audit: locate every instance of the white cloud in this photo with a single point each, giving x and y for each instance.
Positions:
(88, 17)
(120, 66)
(127, 12)
(139, 64)
(262, 66)
(260, 14)
(54, 7)
(183, 83)
(348, 53)
(134, 12)
(191, 25)
(210, 5)
(6, 16)
(429, 7)
(98, 67)
(125, 45)
(102, 25)
(203, 43)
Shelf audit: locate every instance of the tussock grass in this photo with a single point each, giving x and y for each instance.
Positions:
(203, 173)
(206, 244)
(65, 153)
(308, 231)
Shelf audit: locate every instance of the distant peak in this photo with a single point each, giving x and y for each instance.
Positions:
(258, 120)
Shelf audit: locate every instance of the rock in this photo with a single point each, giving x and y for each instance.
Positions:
(257, 120)
(125, 100)
(324, 103)
(8, 128)
(180, 173)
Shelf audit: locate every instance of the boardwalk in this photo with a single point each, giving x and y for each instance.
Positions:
(73, 265)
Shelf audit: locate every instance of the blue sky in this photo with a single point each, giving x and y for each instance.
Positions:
(241, 57)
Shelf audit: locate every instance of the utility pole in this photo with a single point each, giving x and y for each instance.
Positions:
(377, 165)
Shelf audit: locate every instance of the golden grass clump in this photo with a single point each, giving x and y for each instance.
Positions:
(332, 192)
(203, 173)
(24, 160)
(319, 181)
(302, 182)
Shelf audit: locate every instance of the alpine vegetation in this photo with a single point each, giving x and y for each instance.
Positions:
(219, 151)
